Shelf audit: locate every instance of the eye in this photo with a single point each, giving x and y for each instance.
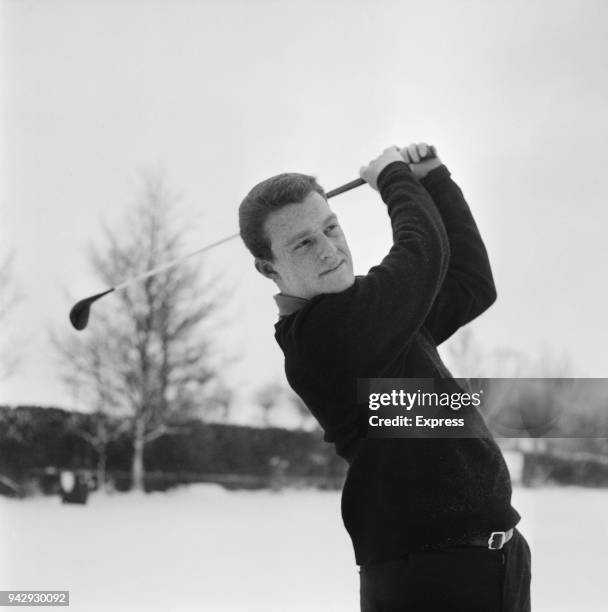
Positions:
(332, 229)
(302, 244)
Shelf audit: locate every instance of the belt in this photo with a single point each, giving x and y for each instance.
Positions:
(496, 540)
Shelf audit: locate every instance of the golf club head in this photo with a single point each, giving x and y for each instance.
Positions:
(79, 315)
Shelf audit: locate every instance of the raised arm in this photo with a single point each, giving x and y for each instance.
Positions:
(361, 329)
(468, 288)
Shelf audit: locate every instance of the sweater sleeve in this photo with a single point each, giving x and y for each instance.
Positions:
(358, 330)
(468, 288)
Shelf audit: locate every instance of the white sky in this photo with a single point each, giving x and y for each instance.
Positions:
(223, 94)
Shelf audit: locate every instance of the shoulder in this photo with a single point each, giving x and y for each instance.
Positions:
(325, 324)
(322, 310)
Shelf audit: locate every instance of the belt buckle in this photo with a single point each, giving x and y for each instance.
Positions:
(502, 535)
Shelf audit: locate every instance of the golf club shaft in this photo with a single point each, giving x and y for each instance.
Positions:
(173, 263)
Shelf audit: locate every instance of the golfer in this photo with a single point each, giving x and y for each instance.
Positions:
(430, 519)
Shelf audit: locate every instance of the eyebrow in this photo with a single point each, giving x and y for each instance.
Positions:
(305, 233)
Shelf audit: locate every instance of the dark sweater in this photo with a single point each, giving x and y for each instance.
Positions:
(402, 495)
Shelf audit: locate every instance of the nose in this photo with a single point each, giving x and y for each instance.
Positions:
(327, 249)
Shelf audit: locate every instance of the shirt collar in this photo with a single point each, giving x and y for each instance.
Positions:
(288, 304)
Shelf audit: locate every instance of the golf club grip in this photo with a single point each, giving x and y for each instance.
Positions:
(431, 153)
(347, 187)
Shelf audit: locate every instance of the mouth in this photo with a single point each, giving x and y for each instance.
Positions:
(332, 269)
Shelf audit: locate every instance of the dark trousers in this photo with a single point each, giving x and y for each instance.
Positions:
(459, 579)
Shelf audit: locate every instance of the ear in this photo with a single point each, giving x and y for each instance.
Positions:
(265, 268)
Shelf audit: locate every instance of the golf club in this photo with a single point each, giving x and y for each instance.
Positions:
(79, 314)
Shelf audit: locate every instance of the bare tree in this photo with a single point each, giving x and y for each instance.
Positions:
(466, 358)
(307, 420)
(147, 355)
(218, 405)
(276, 395)
(268, 397)
(462, 354)
(9, 296)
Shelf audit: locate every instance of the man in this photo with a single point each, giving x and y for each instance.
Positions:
(430, 519)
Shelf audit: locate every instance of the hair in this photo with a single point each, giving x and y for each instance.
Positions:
(266, 197)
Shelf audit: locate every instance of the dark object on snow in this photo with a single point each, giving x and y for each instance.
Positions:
(74, 488)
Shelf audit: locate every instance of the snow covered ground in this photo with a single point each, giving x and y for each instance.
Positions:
(203, 548)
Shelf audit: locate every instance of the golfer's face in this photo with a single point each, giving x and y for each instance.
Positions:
(311, 255)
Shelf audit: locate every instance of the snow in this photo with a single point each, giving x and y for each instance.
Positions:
(204, 548)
